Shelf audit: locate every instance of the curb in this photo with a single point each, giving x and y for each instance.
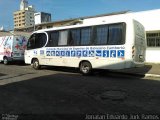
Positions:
(127, 73)
(142, 75)
(137, 74)
(152, 75)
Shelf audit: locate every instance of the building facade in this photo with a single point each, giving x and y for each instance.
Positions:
(42, 17)
(23, 4)
(150, 20)
(25, 16)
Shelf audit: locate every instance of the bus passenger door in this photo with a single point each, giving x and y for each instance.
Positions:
(53, 57)
(35, 48)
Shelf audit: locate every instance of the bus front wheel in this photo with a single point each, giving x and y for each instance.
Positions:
(35, 64)
(85, 68)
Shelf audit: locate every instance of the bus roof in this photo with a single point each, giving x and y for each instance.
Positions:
(94, 21)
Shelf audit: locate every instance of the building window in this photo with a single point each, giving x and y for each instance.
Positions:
(49, 26)
(153, 39)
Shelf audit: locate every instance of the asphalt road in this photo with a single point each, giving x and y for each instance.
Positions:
(65, 94)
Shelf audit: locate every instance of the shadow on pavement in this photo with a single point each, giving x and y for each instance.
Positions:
(72, 96)
(18, 63)
(2, 75)
(61, 69)
(9, 77)
(137, 72)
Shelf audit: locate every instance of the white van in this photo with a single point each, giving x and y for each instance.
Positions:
(12, 48)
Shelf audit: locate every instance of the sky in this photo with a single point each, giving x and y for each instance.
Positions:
(66, 9)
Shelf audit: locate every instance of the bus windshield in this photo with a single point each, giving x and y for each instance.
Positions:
(37, 41)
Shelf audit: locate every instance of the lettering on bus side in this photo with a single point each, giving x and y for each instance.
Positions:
(87, 53)
(62, 53)
(41, 52)
(121, 53)
(98, 53)
(73, 53)
(106, 53)
(35, 52)
(79, 53)
(91, 53)
(67, 53)
(58, 53)
(48, 53)
(113, 53)
(53, 53)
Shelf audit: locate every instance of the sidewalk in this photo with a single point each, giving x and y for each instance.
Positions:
(149, 70)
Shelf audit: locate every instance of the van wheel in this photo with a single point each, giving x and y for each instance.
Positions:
(35, 64)
(5, 60)
(86, 68)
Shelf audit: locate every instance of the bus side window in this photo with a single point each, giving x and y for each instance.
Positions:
(116, 34)
(74, 37)
(53, 39)
(101, 35)
(63, 37)
(86, 36)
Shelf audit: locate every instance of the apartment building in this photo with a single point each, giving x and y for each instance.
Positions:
(42, 17)
(25, 16)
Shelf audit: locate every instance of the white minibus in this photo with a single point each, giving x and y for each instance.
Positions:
(106, 43)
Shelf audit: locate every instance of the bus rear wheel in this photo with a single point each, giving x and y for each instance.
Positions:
(86, 68)
(35, 64)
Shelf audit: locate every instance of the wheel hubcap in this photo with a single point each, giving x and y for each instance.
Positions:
(5, 61)
(85, 69)
(36, 64)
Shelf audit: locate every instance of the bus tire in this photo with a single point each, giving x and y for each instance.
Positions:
(5, 61)
(35, 64)
(86, 68)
